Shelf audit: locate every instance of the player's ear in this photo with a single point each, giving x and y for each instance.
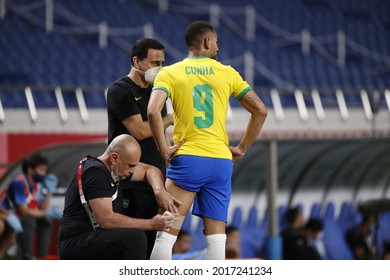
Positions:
(206, 42)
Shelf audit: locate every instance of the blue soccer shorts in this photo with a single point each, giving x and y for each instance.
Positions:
(210, 178)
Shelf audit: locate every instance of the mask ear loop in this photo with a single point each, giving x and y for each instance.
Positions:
(117, 170)
(116, 181)
(114, 176)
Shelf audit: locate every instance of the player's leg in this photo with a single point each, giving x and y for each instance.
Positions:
(215, 239)
(186, 197)
(165, 239)
(212, 203)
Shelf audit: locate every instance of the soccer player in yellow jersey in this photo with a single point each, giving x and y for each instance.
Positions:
(200, 171)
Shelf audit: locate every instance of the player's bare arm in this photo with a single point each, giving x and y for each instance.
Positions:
(253, 104)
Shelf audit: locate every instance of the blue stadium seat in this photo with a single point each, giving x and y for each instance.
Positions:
(187, 223)
(346, 217)
(236, 217)
(252, 241)
(383, 233)
(13, 99)
(253, 235)
(335, 244)
(329, 214)
(252, 221)
(315, 211)
(198, 238)
(76, 59)
(281, 212)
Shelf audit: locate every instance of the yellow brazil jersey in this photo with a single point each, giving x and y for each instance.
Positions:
(199, 89)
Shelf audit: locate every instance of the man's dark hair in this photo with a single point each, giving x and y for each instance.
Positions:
(291, 214)
(315, 225)
(195, 32)
(141, 47)
(33, 161)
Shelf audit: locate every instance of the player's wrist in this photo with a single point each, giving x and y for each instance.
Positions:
(165, 154)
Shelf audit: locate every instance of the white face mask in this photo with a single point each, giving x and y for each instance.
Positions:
(114, 177)
(151, 74)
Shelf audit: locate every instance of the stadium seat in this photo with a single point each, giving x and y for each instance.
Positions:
(253, 234)
(346, 217)
(383, 234)
(236, 217)
(75, 59)
(187, 223)
(334, 241)
(315, 211)
(329, 212)
(198, 238)
(252, 221)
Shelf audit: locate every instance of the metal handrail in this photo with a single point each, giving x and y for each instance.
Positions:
(276, 95)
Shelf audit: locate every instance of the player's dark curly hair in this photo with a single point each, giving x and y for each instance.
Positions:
(141, 47)
(195, 32)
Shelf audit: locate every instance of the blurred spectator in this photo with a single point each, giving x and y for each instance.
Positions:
(183, 243)
(294, 220)
(312, 231)
(233, 243)
(360, 238)
(300, 242)
(7, 234)
(29, 196)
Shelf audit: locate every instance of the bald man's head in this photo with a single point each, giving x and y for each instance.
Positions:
(122, 155)
(124, 143)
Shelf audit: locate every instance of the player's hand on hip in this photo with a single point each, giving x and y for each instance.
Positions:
(237, 153)
(172, 150)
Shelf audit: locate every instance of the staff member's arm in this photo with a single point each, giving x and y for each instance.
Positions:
(155, 178)
(107, 218)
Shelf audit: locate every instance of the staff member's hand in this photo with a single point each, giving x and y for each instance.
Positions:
(167, 202)
(160, 222)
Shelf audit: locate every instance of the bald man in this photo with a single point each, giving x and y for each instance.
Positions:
(91, 227)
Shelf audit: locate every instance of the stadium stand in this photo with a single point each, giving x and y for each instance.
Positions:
(74, 53)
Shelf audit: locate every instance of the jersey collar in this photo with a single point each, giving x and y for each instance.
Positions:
(197, 57)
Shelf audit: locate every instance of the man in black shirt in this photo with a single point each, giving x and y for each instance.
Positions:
(300, 244)
(360, 238)
(127, 101)
(91, 227)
